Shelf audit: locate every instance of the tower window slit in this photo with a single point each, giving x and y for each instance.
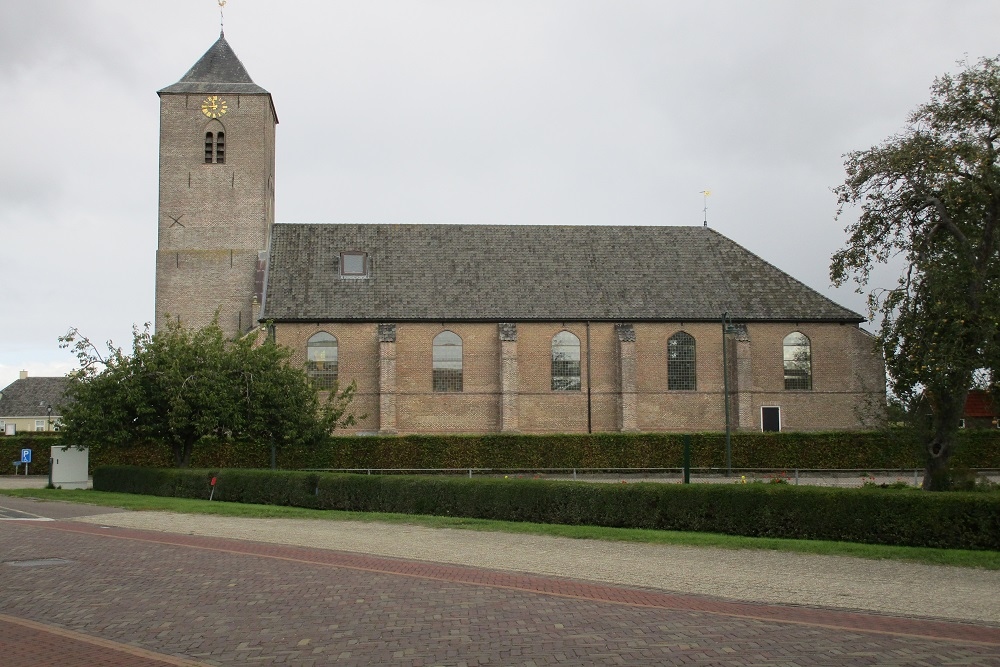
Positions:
(220, 148)
(209, 145)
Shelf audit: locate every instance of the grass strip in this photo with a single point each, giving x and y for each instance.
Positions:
(951, 557)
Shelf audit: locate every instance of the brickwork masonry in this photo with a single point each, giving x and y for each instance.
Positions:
(845, 395)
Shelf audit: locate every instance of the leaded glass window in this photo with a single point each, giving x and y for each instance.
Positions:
(321, 360)
(447, 365)
(565, 362)
(798, 361)
(681, 372)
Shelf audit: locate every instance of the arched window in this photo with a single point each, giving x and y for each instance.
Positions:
(321, 360)
(681, 372)
(565, 362)
(447, 366)
(215, 147)
(798, 361)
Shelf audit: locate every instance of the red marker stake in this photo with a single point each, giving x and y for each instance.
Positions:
(213, 489)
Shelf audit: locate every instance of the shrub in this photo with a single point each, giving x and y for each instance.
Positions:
(904, 517)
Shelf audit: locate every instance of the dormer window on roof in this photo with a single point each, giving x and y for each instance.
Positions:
(353, 264)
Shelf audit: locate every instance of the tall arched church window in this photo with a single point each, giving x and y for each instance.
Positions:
(447, 363)
(681, 372)
(321, 360)
(798, 361)
(565, 362)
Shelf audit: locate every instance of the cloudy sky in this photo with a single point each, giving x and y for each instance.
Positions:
(598, 112)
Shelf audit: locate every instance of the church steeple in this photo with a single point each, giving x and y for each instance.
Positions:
(217, 136)
(218, 71)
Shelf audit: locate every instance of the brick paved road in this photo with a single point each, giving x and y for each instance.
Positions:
(130, 597)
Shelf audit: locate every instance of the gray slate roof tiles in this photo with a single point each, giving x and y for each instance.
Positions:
(29, 397)
(521, 272)
(218, 71)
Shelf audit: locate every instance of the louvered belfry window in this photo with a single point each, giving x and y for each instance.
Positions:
(215, 147)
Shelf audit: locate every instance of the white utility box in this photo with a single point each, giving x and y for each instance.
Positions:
(69, 468)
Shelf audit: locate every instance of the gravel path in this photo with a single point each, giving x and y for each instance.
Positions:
(750, 575)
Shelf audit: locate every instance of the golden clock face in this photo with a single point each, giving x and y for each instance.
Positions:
(214, 106)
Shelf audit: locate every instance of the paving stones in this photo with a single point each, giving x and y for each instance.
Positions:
(220, 601)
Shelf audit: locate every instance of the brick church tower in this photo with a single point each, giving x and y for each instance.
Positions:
(216, 204)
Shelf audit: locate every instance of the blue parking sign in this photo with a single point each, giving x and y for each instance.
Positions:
(25, 456)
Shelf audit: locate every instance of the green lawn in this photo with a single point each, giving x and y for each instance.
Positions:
(955, 557)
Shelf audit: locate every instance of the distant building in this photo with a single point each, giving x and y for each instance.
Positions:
(510, 328)
(32, 404)
(980, 410)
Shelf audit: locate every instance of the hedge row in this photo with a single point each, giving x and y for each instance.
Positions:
(876, 516)
(39, 444)
(837, 450)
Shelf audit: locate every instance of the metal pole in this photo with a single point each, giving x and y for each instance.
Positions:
(687, 459)
(725, 396)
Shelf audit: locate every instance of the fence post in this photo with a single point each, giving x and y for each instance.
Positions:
(687, 459)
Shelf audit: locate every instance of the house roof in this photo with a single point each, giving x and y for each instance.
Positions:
(522, 272)
(218, 71)
(30, 397)
(979, 403)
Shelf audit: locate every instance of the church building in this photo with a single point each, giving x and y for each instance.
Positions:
(492, 328)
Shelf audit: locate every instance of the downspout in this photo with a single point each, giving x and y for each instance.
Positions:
(589, 413)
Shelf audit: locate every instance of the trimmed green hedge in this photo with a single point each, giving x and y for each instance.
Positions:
(836, 450)
(39, 442)
(876, 516)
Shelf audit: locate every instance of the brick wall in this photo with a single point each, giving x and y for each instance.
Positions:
(848, 378)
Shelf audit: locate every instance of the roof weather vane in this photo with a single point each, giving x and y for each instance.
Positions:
(705, 195)
(222, 18)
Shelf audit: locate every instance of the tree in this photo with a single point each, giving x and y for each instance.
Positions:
(930, 195)
(179, 386)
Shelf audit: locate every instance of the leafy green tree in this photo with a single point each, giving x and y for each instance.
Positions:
(179, 386)
(930, 195)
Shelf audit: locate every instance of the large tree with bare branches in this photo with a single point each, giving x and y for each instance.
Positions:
(931, 196)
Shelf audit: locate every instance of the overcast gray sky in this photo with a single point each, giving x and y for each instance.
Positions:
(599, 112)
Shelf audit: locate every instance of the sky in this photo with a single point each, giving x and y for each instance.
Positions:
(563, 112)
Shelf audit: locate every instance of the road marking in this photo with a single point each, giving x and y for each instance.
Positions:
(20, 515)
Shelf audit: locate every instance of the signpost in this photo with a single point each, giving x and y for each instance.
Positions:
(25, 459)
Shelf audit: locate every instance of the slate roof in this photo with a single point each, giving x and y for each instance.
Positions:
(29, 397)
(521, 272)
(218, 71)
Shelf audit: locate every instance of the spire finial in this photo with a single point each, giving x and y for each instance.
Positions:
(705, 194)
(222, 19)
